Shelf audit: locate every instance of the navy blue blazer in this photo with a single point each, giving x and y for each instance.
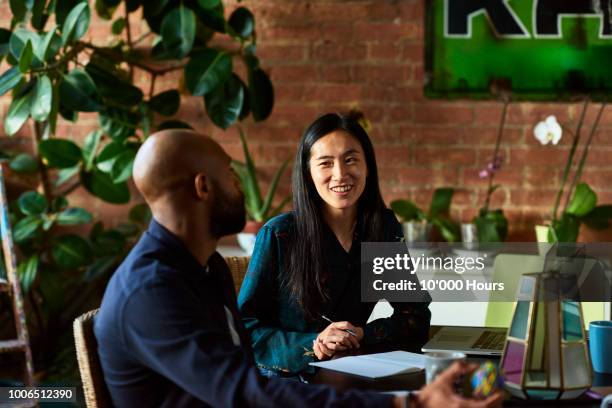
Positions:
(163, 337)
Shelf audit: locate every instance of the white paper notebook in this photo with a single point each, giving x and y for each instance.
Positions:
(376, 365)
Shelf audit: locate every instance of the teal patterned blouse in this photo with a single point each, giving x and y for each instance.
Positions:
(281, 336)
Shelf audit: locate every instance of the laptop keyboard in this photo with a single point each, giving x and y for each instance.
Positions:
(490, 340)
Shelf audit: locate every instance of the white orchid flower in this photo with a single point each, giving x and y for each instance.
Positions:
(548, 130)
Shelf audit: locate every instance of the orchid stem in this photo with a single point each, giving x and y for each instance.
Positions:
(585, 152)
(496, 151)
(570, 159)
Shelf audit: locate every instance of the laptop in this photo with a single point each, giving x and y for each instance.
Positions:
(480, 341)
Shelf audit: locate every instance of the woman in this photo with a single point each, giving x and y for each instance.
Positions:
(304, 271)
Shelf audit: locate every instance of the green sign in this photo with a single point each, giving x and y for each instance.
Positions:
(539, 49)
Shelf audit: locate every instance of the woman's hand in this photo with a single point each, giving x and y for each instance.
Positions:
(335, 338)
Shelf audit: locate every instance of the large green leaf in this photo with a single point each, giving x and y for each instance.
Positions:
(261, 93)
(19, 40)
(250, 185)
(25, 59)
(62, 8)
(27, 271)
(24, 163)
(90, 148)
(486, 230)
(206, 70)
(565, 229)
(265, 209)
(583, 201)
(66, 174)
(5, 36)
(26, 228)
(178, 32)
(101, 185)
(242, 22)
(39, 15)
(111, 85)
(441, 201)
(32, 203)
(71, 251)
(118, 26)
(491, 226)
(78, 92)
(209, 4)
(42, 99)
(212, 18)
(60, 153)
(108, 155)
(122, 166)
(224, 103)
(49, 45)
(74, 216)
(599, 218)
(449, 229)
(18, 113)
(18, 9)
(118, 123)
(407, 210)
(166, 103)
(10, 79)
(77, 23)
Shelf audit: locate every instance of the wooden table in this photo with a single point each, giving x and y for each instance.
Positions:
(602, 384)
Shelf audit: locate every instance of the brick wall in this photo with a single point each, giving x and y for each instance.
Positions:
(335, 55)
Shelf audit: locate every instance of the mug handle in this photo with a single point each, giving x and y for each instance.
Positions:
(607, 402)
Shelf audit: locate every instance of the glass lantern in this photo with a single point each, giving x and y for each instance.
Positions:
(546, 354)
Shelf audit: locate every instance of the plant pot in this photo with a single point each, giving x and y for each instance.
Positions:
(469, 235)
(541, 232)
(246, 238)
(416, 231)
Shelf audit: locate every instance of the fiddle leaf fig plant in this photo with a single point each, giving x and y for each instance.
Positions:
(56, 67)
(438, 214)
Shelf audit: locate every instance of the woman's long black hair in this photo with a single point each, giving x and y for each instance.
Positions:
(306, 265)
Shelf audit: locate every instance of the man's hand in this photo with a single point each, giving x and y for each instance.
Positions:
(335, 338)
(441, 393)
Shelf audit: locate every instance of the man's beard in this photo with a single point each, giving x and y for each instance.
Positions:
(228, 215)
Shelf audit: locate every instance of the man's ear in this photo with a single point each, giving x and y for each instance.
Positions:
(202, 186)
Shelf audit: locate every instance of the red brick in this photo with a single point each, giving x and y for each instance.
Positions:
(270, 52)
(337, 51)
(434, 113)
(384, 32)
(413, 51)
(444, 155)
(335, 73)
(294, 74)
(382, 74)
(427, 135)
(384, 52)
(538, 157)
(393, 156)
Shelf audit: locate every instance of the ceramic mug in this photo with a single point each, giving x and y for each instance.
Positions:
(438, 361)
(600, 344)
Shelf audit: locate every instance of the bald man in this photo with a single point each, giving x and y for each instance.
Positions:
(168, 330)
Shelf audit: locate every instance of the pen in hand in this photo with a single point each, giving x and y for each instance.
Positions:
(349, 331)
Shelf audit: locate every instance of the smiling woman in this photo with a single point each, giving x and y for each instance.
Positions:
(305, 266)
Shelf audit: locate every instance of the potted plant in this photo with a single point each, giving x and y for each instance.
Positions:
(54, 65)
(417, 224)
(581, 201)
(259, 209)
